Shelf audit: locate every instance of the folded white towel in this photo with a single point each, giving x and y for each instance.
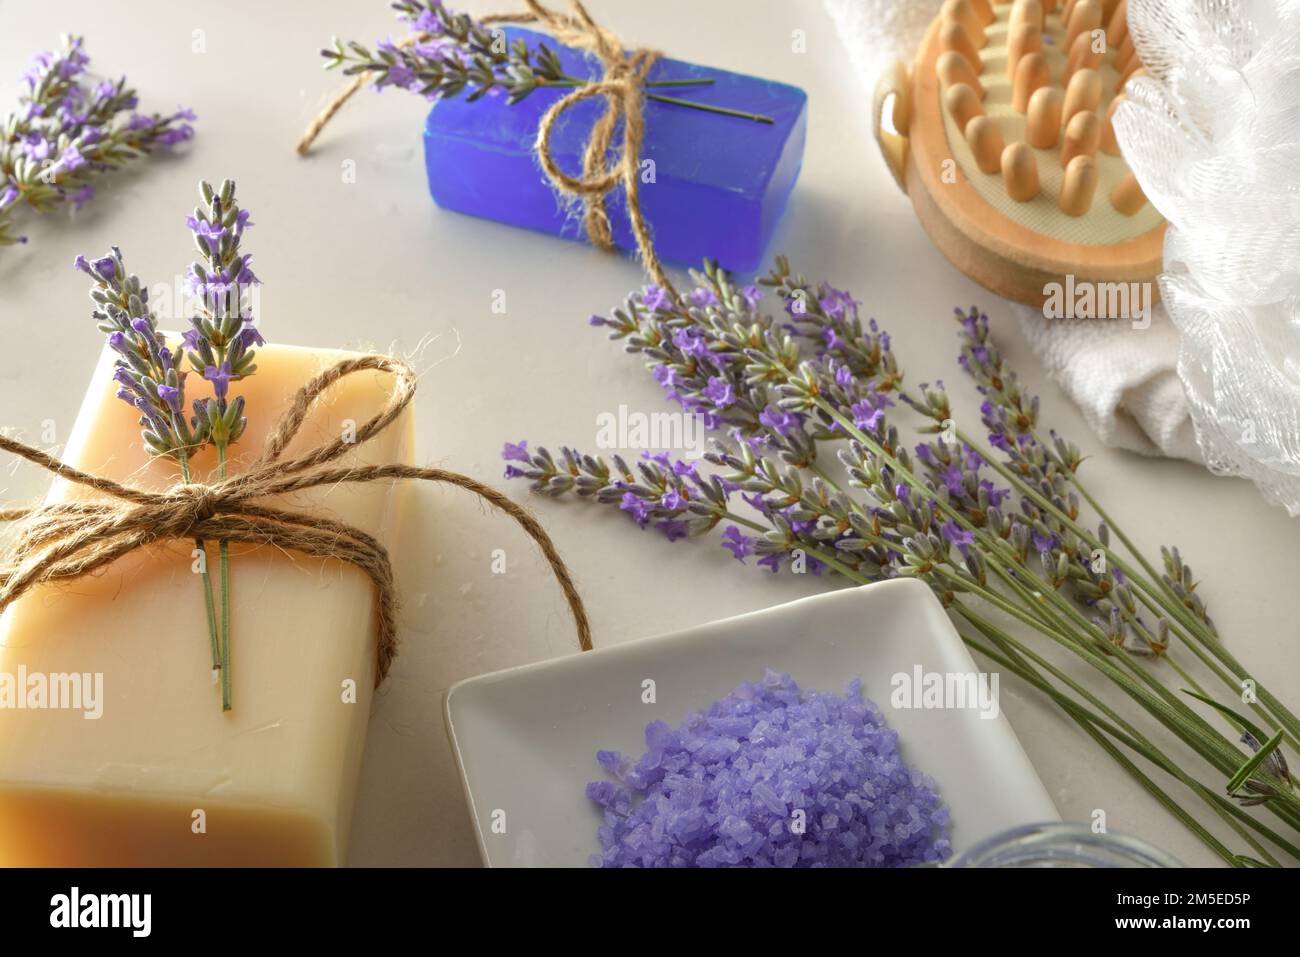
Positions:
(1124, 380)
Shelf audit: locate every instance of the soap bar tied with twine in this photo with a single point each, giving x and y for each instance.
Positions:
(63, 541)
(479, 58)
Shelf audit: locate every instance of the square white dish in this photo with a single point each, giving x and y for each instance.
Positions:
(525, 739)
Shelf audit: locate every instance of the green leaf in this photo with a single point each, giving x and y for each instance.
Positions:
(1242, 720)
(1256, 759)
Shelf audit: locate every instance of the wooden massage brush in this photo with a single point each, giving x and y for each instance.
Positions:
(1002, 137)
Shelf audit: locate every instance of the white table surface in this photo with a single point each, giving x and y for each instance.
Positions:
(374, 264)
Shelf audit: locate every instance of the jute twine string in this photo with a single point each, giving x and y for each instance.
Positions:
(620, 86)
(61, 542)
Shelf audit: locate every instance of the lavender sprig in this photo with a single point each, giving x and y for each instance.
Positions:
(220, 343)
(222, 335)
(149, 379)
(66, 133)
(219, 346)
(450, 54)
(1003, 532)
(147, 372)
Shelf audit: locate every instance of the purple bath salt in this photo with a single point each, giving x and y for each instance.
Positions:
(770, 776)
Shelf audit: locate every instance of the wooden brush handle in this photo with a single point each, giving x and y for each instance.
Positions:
(894, 82)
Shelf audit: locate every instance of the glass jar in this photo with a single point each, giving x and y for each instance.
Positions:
(1061, 845)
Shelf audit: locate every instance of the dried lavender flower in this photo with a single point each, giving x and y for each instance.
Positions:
(146, 370)
(67, 132)
(984, 526)
(222, 335)
(449, 54)
(219, 346)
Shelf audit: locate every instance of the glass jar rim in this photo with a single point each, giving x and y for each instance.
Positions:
(1064, 844)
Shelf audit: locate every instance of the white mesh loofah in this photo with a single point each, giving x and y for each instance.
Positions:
(1214, 138)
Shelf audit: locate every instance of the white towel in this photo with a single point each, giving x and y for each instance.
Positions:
(1124, 380)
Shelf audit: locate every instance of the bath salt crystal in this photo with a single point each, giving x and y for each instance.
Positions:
(770, 776)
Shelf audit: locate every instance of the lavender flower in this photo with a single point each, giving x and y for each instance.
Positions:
(448, 54)
(219, 346)
(222, 334)
(66, 133)
(146, 371)
(453, 55)
(995, 527)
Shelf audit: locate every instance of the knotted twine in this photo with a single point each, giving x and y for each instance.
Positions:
(63, 541)
(621, 86)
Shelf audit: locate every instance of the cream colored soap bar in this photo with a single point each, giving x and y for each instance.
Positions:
(162, 776)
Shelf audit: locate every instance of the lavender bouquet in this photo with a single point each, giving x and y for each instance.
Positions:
(994, 527)
(218, 346)
(66, 133)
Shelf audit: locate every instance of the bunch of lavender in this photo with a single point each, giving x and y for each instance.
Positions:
(994, 526)
(66, 133)
(218, 346)
(448, 54)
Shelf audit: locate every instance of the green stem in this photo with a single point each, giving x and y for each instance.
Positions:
(224, 549)
(698, 81)
(708, 108)
(1165, 705)
(206, 582)
(1230, 813)
(568, 80)
(1151, 694)
(1085, 720)
(1126, 733)
(1153, 593)
(577, 81)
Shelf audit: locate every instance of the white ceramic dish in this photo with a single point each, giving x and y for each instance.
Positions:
(526, 738)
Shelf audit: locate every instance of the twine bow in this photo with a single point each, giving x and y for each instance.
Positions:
(621, 87)
(60, 542)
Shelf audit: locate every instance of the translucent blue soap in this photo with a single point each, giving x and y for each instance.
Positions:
(720, 183)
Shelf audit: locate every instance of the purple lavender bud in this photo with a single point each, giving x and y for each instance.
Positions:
(515, 451)
(220, 379)
(249, 336)
(739, 544)
(655, 298)
(957, 535)
(79, 197)
(720, 392)
(71, 159)
(638, 509)
(171, 396)
(779, 420)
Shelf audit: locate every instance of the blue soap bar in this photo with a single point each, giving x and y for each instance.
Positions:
(720, 182)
